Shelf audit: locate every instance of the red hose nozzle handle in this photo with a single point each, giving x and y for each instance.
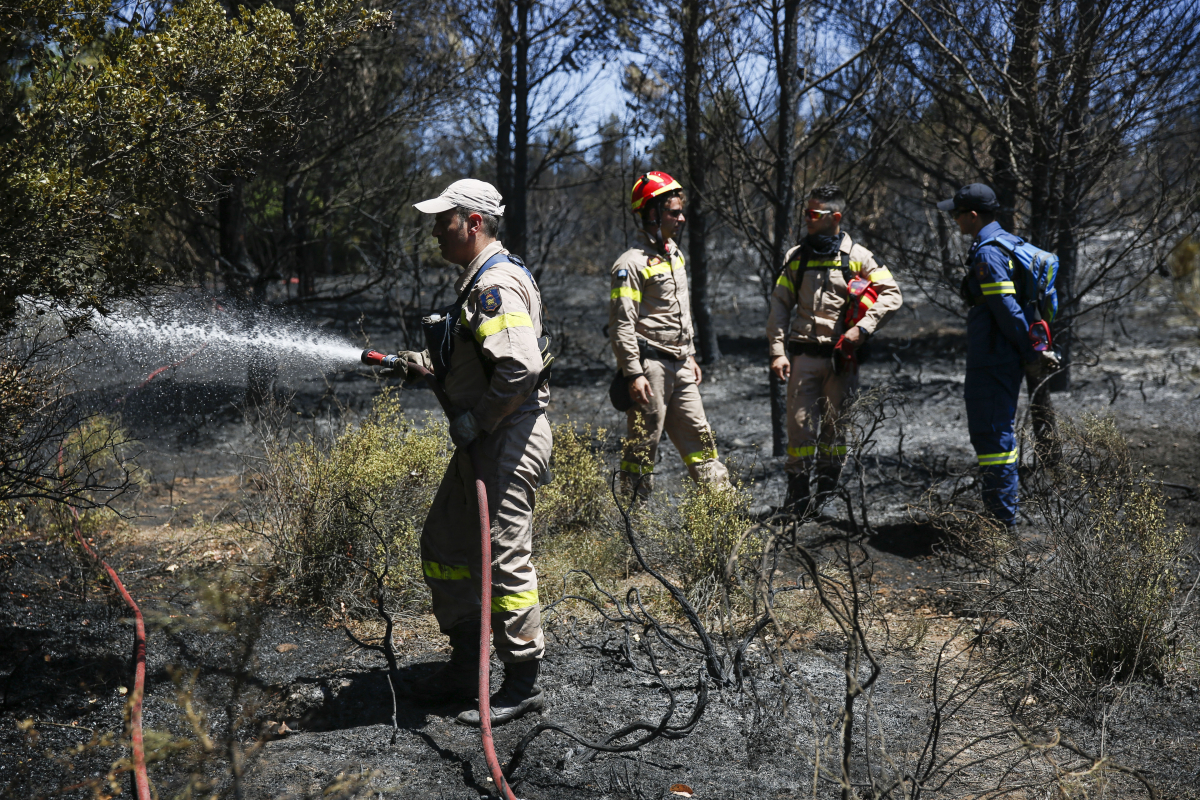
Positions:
(373, 358)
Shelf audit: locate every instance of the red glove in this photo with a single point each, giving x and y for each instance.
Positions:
(844, 358)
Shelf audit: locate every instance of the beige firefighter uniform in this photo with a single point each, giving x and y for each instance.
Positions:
(813, 299)
(496, 377)
(650, 314)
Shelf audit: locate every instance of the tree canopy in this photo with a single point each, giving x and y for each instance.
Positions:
(108, 111)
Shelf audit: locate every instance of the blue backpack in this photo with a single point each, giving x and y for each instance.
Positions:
(1035, 284)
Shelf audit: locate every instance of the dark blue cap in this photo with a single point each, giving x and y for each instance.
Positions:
(972, 197)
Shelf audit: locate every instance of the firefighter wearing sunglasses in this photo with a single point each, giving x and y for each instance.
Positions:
(650, 324)
(830, 297)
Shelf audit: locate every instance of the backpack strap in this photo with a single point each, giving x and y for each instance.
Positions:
(1019, 276)
(491, 262)
(543, 342)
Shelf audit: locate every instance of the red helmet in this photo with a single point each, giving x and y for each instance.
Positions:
(651, 185)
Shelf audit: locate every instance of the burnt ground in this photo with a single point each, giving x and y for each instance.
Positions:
(64, 640)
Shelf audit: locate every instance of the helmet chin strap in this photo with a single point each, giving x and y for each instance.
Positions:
(653, 230)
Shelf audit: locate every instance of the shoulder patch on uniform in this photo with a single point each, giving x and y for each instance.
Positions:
(622, 273)
(490, 300)
(653, 260)
(981, 268)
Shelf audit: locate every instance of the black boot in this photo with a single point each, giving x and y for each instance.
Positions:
(796, 499)
(456, 681)
(518, 695)
(827, 484)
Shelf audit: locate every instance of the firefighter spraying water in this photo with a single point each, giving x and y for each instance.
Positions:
(374, 358)
(488, 362)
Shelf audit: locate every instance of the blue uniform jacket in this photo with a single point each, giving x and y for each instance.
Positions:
(997, 330)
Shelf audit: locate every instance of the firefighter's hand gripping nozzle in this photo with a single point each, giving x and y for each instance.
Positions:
(373, 358)
(398, 366)
(394, 366)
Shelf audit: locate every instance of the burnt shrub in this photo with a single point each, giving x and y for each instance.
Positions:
(1090, 598)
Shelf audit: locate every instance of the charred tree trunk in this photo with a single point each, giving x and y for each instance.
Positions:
(517, 212)
(237, 273)
(785, 192)
(504, 120)
(1070, 205)
(297, 231)
(1021, 136)
(697, 213)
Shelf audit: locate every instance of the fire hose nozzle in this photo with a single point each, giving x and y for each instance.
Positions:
(373, 358)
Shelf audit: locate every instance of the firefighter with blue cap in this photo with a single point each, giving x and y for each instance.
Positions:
(1000, 350)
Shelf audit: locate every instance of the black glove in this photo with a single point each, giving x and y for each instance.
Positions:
(464, 429)
(1047, 362)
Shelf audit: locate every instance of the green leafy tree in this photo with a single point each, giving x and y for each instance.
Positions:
(110, 111)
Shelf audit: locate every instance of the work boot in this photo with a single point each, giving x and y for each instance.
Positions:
(796, 499)
(827, 482)
(636, 489)
(456, 681)
(518, 695)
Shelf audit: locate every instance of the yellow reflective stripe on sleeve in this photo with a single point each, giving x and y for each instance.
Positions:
(833, 449)
(445, 572)
(880, 275)
(626, 291)
(801, 452)
(700, 455)
(995, 459)
(785, 282)
(1000, 287)
(517, 319)
(514, 602)
(635, 468)
(657, 269)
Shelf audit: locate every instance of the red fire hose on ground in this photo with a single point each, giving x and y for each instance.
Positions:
(141, 780)
(373, 358)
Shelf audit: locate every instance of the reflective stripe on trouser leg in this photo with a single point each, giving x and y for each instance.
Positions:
(816, 398)
(512, 459)
(687, 427)
(991, 395)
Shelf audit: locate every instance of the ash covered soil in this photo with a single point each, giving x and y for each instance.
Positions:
(219, 658)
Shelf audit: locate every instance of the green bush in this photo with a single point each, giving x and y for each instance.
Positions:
(578, 496)
(698, 534)
(574, 521)
(343, 508)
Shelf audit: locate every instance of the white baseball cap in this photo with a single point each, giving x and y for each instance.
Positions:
(468, 193)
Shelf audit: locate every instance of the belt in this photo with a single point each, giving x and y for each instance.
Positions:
(811, 349)
(647, 350)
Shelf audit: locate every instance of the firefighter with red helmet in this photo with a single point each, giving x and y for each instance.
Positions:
(830, 297)
(650, 326)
